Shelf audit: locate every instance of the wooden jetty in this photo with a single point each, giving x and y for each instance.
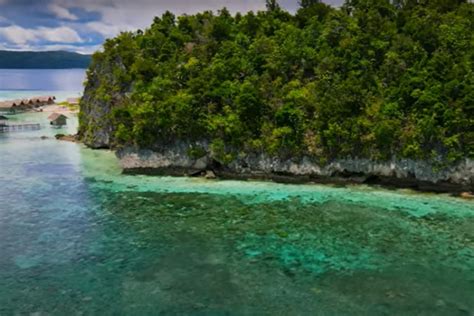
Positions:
(19, 127)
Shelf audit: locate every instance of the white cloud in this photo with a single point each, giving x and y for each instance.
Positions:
(61, 12)
(108, 30)
(53, 47)
(61, 34)
(19, 35)
(115, 16)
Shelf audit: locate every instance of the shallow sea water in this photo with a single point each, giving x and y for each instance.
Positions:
(78, 237)
(27, 83)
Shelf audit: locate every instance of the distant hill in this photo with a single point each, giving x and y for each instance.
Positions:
(43, 60)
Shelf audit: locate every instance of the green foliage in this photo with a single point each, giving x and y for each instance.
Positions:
(272, 5)
(196, 152)
(220, 152)
(373, 79)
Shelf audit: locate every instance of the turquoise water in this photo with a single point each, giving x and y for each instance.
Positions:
(77, 236)
(25, 83)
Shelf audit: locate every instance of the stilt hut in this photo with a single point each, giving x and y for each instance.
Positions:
(57, 119)
(17, 103)
(43, 100)
(27, 102)
(5, 106)
(8, 106)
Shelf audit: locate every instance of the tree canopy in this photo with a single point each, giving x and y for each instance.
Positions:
(374, 79)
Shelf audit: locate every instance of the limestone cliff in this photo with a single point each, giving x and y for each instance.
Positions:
(420, 175)
(96, 126)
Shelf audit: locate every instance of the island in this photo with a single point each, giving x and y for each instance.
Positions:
(43, 60)
(371, 92)
(348, 104)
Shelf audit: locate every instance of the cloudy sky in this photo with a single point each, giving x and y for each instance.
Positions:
(82, 25)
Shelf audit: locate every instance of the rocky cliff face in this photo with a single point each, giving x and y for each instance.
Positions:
(401, 173)
(96, 127)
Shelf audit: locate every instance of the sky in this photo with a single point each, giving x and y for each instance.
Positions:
(83, 25)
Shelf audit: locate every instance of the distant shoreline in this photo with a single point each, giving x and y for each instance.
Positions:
(43, 60)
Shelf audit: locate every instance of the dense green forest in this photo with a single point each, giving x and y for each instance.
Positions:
(43, 60)
(374, 79)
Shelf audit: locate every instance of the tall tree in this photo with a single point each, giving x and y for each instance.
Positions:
(308, 3)
(311, 8)
(272, 5)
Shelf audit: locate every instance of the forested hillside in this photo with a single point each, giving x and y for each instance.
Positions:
(43, 60)
(373, 79)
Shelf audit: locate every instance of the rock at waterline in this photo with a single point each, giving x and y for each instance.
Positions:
(67, 138)
(467, 195)
(210, 175)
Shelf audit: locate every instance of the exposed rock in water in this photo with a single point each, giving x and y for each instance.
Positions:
(467, 195)
(67, 138)
(419, 175)
(210, 175)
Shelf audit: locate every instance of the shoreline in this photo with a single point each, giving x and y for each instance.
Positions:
(58, 109)
(344, 178)
(389, 183)
(53, 108)
(173, 159)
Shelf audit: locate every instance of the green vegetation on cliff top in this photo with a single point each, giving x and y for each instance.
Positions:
(371, 79)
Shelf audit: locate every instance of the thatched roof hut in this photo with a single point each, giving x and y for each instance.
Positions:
(5, 105)
(17, 102)
(57, 119)
(24, 104)
(8, 105)
(43, 100)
